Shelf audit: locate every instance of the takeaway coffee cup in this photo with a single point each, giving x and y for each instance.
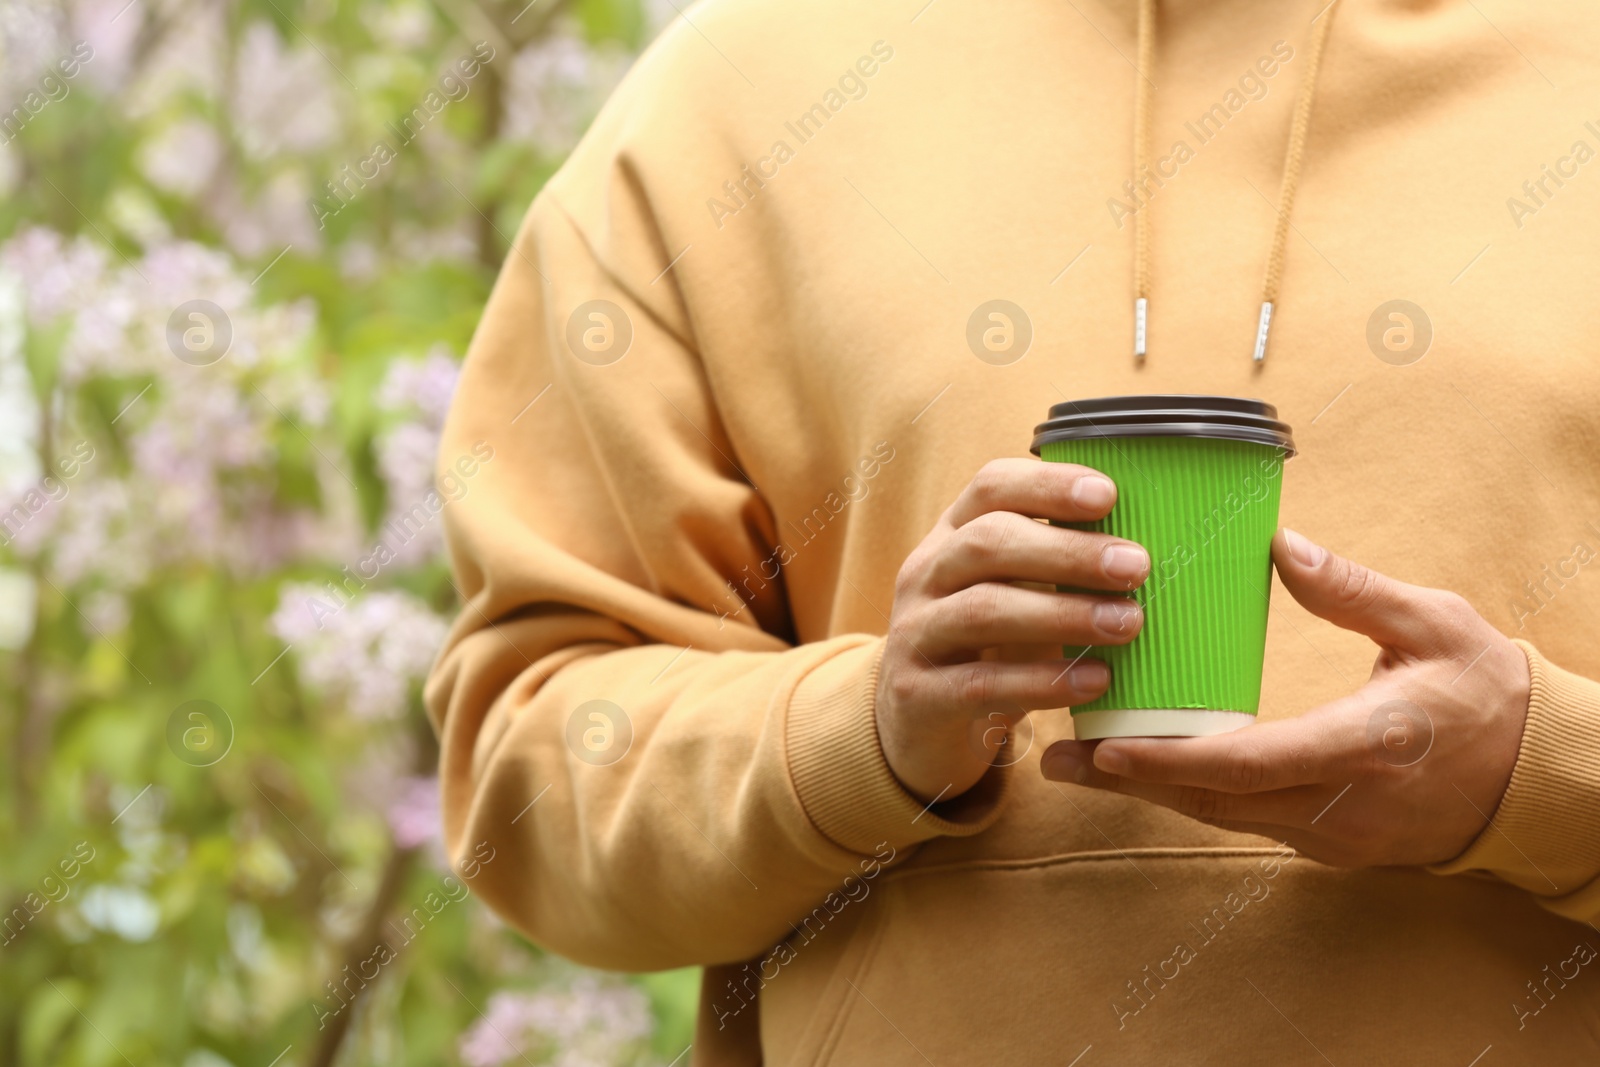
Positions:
(1198, 481)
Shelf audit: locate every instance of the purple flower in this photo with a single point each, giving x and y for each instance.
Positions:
(364, 650)
(556, 86)
(260, 225)
(114, 31)
(202, 484)
(283, 99)
(589, 1022)
(182, 157)
(414, 816)
(54, 272)
(423, 386)
(421, 390)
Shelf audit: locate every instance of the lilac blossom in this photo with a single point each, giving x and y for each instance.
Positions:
(587, 1022)
(557, 85)
(91, 532)
(112, 29)
(182, 157)
(260, 225)
(202, 441)
(53, 270)
(419, 391)
(31, 36)
(457, 243)
(376, 777)
(283, 99)
(20, 414)
(421, 385)
(362, 650)
(413, 815)
(405, 459)
(188, 59)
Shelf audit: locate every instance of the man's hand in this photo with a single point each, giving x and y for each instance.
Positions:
(940, 708)
(1407, 770)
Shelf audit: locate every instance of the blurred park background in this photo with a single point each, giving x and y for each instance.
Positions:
(243, 245)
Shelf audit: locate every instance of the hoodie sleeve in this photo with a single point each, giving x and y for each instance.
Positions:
(639, 767)
(1545, 835)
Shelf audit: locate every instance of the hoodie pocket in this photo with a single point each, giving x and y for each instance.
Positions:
(1215, 957)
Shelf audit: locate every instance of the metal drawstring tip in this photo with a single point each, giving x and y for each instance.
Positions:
(1141, 308)
(1261, 331)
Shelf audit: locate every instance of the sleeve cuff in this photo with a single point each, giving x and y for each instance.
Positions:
(842, 777)
(1544, 836)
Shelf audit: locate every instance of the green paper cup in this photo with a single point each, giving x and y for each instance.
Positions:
(1198, 480)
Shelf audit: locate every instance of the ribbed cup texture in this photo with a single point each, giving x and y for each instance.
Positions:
(1206, 511)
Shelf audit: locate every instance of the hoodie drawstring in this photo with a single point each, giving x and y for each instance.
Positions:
(1293, 160)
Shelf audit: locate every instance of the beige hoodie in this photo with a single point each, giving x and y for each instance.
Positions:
(728, 381)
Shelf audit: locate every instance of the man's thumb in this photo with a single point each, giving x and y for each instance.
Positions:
(1357, 598)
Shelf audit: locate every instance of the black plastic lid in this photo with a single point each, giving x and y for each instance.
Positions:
(1227, 418)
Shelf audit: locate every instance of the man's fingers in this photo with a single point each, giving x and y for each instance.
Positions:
(992, 614)
(980, 687)
(1003, 546)
(1064, 492)
(1260, 758)
(1349, 595)
(1266, 813)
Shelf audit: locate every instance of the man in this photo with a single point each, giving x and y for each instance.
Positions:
(758, 594)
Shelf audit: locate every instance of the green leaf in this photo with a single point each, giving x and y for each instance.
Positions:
(46, 1017)
(675, 996)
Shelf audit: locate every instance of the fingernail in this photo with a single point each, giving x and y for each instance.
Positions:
(1093, 492)
(1116, 616)
(1126, 563)
(1111, 760)
(1304, 552)
(1063, 767)
(1088, 675)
